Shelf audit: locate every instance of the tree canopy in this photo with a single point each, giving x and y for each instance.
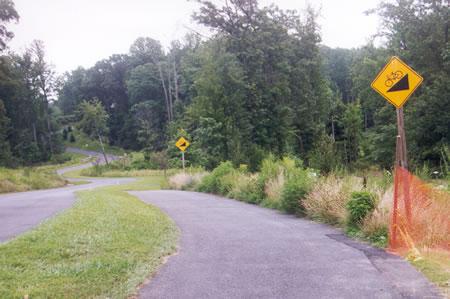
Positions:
(263, 83)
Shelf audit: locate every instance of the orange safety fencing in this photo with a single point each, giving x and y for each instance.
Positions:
(420, 215)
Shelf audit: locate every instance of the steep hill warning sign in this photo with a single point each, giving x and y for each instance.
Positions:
(396, 82)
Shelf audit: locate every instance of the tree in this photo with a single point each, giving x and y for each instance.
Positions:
(44, 80)
(93, 116)
(217, 115)
(352, 131)
(149, 50)
(7, 14)
(5, 153)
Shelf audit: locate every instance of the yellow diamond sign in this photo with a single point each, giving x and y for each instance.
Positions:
(396, 82)
(182, 143)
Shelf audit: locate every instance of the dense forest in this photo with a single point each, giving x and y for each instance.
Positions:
(262, 84)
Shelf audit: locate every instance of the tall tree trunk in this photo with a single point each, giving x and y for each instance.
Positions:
(165, 91)
(101, 143)
(49, 131)
(332, 128)
(170, 87)
(33, 125)
(175, 79)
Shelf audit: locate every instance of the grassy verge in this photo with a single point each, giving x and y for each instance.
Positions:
(435, 265)
(38, 177)
(103, 247)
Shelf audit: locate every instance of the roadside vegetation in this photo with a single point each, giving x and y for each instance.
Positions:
(38, 177)
(108, 243)
(358, 203)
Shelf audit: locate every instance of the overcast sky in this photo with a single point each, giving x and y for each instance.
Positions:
(82, 32)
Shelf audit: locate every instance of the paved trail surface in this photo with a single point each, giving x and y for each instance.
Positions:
(229, 249)
(19, 212)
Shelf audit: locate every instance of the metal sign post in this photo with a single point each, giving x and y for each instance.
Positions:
(182, 157)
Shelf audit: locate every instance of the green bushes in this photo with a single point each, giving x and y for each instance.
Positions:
(360, 205)
(279, 185)
(294, 191)
(216, 181)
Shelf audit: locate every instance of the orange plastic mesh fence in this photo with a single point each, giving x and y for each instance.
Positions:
(420, 214)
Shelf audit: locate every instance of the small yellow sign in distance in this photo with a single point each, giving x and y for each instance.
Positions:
(182, 144)
(396, 82)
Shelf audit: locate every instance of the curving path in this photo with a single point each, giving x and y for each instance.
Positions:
(229, 249)
(21, 211)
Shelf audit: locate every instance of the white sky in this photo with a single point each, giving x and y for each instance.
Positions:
(82, 32)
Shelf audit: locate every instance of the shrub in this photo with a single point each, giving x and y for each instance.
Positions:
(271, 169)
(245, 188)
(360, 205)
(294, 191)
(375, 224)
(212, 183)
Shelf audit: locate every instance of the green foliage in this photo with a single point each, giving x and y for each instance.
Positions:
(93, 118)
(360, 205)
(244, 93)
(5, 152)
(193, 155)
(298, 183)
(245, 188)
(324, 156)
(351, 122)
(219, 181)
(379, 238)
(425, 173)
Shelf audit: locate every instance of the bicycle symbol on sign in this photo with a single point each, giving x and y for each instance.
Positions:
(392, 77)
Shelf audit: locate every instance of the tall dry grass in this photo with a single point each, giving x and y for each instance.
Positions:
(328, 198)
(379, 219)
(186, 181)
(273, 189)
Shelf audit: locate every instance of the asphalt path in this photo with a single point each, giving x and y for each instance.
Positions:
(19, 212)
(229, 249)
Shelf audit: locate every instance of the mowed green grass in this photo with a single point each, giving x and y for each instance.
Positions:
(103, 247)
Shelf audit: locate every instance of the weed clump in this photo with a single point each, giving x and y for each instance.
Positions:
(360, 205)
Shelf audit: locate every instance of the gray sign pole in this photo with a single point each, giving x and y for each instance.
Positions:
(182, 156)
